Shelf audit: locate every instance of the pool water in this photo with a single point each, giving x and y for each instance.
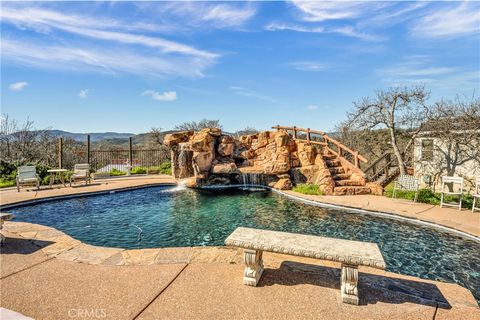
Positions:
(172, 217)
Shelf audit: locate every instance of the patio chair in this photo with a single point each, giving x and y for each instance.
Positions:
(80, 172)
(27, 175)
(454, 181)
(406, 183)
(476, 195)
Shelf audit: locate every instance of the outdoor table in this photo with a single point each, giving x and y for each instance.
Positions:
(61, 174)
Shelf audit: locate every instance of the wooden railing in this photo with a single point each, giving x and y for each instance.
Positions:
(383, 166)
(332, 145)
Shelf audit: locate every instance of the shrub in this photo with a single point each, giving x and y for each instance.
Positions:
(166, 168)
(428, 196)
(308, 188)
(138, 170)
(116, 172)
(4, 183)
(7, 169)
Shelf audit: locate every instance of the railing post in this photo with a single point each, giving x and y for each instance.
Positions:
(60, 152)
(88, 148)
(294, 132)
(308, 135)
(340, 150)
(356, 159)
(130, 151)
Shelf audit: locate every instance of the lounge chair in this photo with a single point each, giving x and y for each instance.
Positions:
(27, 175)
(406, 183)
(454, 181)
(80, 172)
(476, 195)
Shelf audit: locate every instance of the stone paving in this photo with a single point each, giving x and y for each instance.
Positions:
(45, 274)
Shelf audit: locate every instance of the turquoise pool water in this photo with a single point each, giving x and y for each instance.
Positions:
(171, 217)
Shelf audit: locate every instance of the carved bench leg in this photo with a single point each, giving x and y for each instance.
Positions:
(349, 282)
(253, 267)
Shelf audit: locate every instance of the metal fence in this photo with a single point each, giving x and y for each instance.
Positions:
(107, 160)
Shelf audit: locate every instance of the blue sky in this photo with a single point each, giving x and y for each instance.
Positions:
(130, 66)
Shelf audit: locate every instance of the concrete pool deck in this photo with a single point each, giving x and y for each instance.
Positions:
(464, 220)
(45, 274)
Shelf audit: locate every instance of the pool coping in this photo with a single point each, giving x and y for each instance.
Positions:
(388, 215)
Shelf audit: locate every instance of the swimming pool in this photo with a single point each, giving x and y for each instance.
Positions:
(174, 217)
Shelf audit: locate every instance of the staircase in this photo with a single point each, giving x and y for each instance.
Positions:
(344, 185)
(385, 169)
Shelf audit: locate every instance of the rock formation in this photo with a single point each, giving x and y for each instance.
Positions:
(271, 158)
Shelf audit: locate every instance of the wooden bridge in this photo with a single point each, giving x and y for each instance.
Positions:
(338, 156)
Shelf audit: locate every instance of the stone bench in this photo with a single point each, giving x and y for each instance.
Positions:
(350, 253)
(4, 217)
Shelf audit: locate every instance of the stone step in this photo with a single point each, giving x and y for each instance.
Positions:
(333, 163)
(329, 156)
(341, 176)
(343, 191)
(336, 170)
(349, 183)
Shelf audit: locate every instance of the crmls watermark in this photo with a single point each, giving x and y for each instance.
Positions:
(87, 313)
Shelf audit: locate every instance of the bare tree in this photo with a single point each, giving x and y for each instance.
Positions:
(197, 126)
(23, 143)
(246, 131)
(454, 127)
(395, 109)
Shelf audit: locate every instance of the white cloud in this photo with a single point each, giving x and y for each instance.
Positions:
(348, 31)
(18, 86)
(312, 107)
(166, 96)
(228, 15)
(202, 14)
(110, 60)
(317, 11)
(83, 93)
(309, 66)
(461, 20)
(247, 93)
(45, 19)
(421, 69)
(115, 52)
(274, 26)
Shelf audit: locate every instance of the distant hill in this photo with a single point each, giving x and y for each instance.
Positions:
(94, 136)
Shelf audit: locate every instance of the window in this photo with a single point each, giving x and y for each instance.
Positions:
(427, 150)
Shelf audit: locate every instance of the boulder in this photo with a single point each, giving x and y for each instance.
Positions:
(215, 132)
(281, 138)
(261, 140)
(320, 162)
(325, 181)
(224, 168)
(226, 146)
(306, 154)
(173, 139)
(283, 184)
(202, 141)
(202, 161)
(307, 174)
(375, 188)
